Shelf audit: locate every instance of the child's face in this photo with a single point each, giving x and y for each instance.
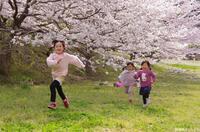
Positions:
(59, 49)
(130, 68)
(145, 66)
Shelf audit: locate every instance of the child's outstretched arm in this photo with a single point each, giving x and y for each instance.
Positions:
(153, 76)
(50, 61)
(137, 75)
(76, 61)
(121, 76)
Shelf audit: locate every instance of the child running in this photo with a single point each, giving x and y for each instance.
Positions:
(128, 80)
(147, 78)
(58, 61)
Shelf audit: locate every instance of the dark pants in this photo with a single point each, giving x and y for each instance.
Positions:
(145, 98)
(145, 92)
(56, 85)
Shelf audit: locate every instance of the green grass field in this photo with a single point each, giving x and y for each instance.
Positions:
(175, 107)
(186, 67)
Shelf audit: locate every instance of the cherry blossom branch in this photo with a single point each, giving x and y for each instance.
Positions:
(88, 16)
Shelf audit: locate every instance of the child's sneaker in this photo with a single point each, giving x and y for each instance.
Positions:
(145, 105)
(52, 105)
(66, 103)
(148, 100)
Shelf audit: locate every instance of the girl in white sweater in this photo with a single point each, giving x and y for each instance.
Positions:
(58, 61)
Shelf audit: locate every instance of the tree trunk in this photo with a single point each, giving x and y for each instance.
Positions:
(5, 63)
(5, 54)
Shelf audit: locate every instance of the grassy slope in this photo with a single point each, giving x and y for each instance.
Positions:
(186, 67)
(175, 104)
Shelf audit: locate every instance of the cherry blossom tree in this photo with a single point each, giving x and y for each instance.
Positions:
(87, 24)
(158, 28)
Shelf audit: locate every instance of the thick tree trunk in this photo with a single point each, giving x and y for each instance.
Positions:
(5, 54)
(5, 63)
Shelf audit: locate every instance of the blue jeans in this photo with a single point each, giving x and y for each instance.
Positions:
(145, 91)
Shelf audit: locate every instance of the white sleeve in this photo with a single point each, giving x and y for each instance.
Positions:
(121, 76)
(51, 61)
(76, 61)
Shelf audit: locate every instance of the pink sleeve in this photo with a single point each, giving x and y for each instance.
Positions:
(51, 61)
(137, 75)
(153, 76)
(76, 61)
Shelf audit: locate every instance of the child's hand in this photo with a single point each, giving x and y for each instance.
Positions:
(153, 81)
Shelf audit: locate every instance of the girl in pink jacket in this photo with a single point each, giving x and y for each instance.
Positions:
(147, 78)
(59, 61)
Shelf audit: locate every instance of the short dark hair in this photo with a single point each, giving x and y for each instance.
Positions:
(131, 63)
(54, 42)
(147, 62)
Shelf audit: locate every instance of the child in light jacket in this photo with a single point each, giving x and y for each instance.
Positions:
(128, 80)
(59, 61)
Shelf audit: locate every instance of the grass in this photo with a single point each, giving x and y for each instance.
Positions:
(175, 106)
(186, 67)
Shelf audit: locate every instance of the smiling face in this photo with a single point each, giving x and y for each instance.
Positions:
(145, 66)
(59, 48)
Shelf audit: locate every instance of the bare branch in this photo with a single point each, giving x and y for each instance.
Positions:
(21, 18)
(88, 16)
(1, 6)
(109, 31)
(16, 10)
(32, 15)
(2, 21)
(11, 4)
(48, 1)
(44, 24)
(103, 33)
(57, 24)
(31, 31)
(33, 2)
(73, 32)
(106, 48)
(5, 30)
(70, 6)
